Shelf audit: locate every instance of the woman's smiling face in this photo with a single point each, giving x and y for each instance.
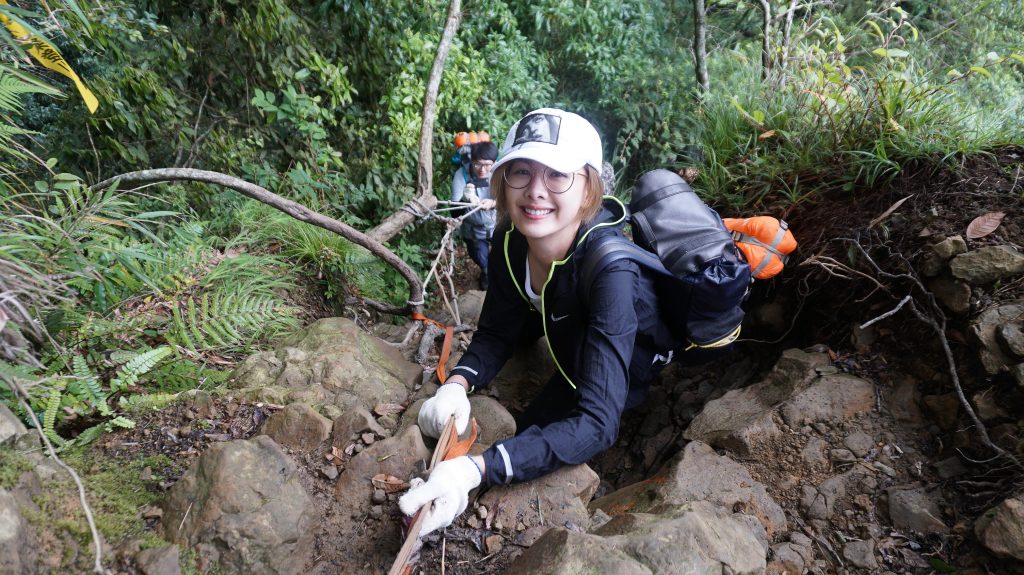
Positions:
(539, 213)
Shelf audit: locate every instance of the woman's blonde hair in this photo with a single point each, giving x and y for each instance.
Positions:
(593, 191)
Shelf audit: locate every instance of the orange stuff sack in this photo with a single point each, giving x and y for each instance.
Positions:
(766, 243)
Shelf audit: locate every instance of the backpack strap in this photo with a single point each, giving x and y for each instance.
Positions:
(608, 249)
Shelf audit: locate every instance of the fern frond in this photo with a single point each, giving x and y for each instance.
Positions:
(129, 373)
(138, 402)
(120, 421)
(50, 416)
(229, 319)
(89, 385)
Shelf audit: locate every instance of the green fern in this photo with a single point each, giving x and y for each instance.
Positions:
(50, 416)
(129, 373)
(89, 385)
(229, 319)
(139, 402)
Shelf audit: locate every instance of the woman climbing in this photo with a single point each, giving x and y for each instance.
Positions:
(607, 344)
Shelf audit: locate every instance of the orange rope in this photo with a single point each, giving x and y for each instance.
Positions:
(446, 347)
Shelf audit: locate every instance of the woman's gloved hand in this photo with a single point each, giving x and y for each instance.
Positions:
(448, 487)
(450, 399)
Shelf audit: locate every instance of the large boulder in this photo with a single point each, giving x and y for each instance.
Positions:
(1001, 529)
(699, 474)
(298, 426)
(988, 264)
(331, 361)
(984, 335)
(696, 538)
(16, 546)
(10, 426)
(243, 510)
(915, 509)
(830, 398)
(743, 417)
(557, 499)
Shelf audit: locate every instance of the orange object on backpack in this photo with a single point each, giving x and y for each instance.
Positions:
(766, 243)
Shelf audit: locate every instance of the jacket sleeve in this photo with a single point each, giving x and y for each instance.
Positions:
(504, 315)
(602, 383)
(458, 185)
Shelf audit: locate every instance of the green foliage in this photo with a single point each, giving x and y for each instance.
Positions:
(12, 465)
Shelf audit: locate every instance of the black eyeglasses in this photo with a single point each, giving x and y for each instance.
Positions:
(520, 173)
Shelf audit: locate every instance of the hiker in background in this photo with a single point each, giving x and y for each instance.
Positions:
(549, 192)
(472, 185)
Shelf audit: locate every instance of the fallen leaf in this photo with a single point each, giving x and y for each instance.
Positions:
(766, 135)
(889, 211)
(382, 409)
(389, 483)
(984, 225)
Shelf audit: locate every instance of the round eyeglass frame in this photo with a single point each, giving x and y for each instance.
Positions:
(545, 175)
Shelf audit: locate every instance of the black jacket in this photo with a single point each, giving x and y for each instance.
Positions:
(601, 351)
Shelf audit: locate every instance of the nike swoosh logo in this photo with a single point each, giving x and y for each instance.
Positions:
(560, 318)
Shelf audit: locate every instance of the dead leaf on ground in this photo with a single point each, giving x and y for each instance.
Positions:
(889, 211)
(382, 409)
(984, 225)
(389, 483)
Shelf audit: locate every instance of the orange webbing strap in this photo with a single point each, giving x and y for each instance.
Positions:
(446, 347)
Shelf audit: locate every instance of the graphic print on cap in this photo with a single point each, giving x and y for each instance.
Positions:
(538, 128)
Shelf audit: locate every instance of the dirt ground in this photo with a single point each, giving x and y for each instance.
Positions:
(821, 310)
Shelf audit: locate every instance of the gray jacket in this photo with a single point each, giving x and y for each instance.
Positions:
(480, 224)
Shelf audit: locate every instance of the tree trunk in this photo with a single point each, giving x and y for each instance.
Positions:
(766, 45)
(425, 174)
(295, 210)
(700, 51)
(787, 30)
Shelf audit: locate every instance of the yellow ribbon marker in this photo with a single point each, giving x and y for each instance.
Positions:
(50, 58)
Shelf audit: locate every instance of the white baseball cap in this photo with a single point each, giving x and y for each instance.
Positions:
(561, 140)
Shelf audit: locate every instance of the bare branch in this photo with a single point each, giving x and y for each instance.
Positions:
(425, 174)
(766, 39)
(293, 209)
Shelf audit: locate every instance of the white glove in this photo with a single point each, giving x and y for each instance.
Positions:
(449, 399)
(469, 194)
(448, 487)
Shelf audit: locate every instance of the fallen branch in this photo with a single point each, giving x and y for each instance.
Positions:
(22, 396)
(293, 209)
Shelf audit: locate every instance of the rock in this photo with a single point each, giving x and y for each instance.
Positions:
(242, 507)
(493, 544)
(842, 456)
(813, 453)
(861, 554)
(298, 426)
(743, 417)
(493, 420)
(950, 467)
(832, 398)
(10, 426)
(1017, 372)
(988, 264)
(698, 474)
(399, 456)
(944, 409)
(819, 502)
(952, 293)
(1001, 529)
(986, 406)
(950, 247)
(159, 561)
(354, 421)
(552, 500)
(332, 361)
(903, 402)
(859, 443)
(329, 471)
(915, 509)
(700, 536)
(378, 496)
(1011, 337)
(16, 542)
(796, 555)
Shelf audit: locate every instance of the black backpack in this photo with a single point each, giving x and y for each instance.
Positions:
(702, 277)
